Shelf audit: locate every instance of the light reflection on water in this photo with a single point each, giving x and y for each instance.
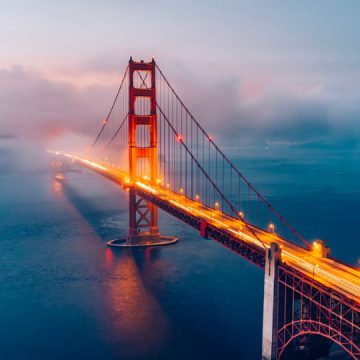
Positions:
(64, 294)
(139, 324)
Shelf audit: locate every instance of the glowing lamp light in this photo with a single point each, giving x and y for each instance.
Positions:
(216, 205)
(181, 191)
(168, 185)
(59, 177)
(210, 137)
(271, 227)
(158, 181)
(241, 214)
(179, 137)
(197, 197)
(319, 248)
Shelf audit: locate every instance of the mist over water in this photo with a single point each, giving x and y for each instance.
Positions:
(65, 295)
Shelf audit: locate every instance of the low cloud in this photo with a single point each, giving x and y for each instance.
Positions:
(7, 137)
(322, 116)
(36, 108)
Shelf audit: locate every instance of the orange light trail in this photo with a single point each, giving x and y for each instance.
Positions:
(343, 278)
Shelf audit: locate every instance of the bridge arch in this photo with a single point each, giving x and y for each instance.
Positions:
(311, 327)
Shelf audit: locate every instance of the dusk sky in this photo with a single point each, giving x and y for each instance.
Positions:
(269, 70)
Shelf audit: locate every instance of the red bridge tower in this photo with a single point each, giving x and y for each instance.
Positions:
(143, 225)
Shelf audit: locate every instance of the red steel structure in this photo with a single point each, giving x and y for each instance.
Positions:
(306, 307)
(152, 144)
(143, 223)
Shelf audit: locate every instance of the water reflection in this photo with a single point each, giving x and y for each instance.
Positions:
(133, 321)
(57, 188)
(139, 324)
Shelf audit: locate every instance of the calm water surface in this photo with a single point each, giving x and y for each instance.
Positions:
(64, 295)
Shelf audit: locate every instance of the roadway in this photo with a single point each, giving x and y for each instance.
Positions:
(327, 271)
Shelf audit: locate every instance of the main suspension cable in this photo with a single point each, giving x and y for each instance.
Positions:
(111, 109)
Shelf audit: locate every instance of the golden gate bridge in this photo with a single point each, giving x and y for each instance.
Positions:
(153, 147)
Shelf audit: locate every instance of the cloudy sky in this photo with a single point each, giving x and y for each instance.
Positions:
(271, 70)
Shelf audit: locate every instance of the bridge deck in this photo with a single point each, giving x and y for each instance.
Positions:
(246, 239)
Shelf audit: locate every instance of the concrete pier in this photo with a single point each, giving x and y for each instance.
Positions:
(269, 335)
(144, 242)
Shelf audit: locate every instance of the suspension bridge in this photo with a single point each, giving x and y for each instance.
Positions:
(154, 148)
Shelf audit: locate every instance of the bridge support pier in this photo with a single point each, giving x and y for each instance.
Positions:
(143, 154)
(271, 302)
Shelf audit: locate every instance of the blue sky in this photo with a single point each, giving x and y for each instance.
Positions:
(274, 70)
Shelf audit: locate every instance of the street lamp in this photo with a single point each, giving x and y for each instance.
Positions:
(271, 228)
